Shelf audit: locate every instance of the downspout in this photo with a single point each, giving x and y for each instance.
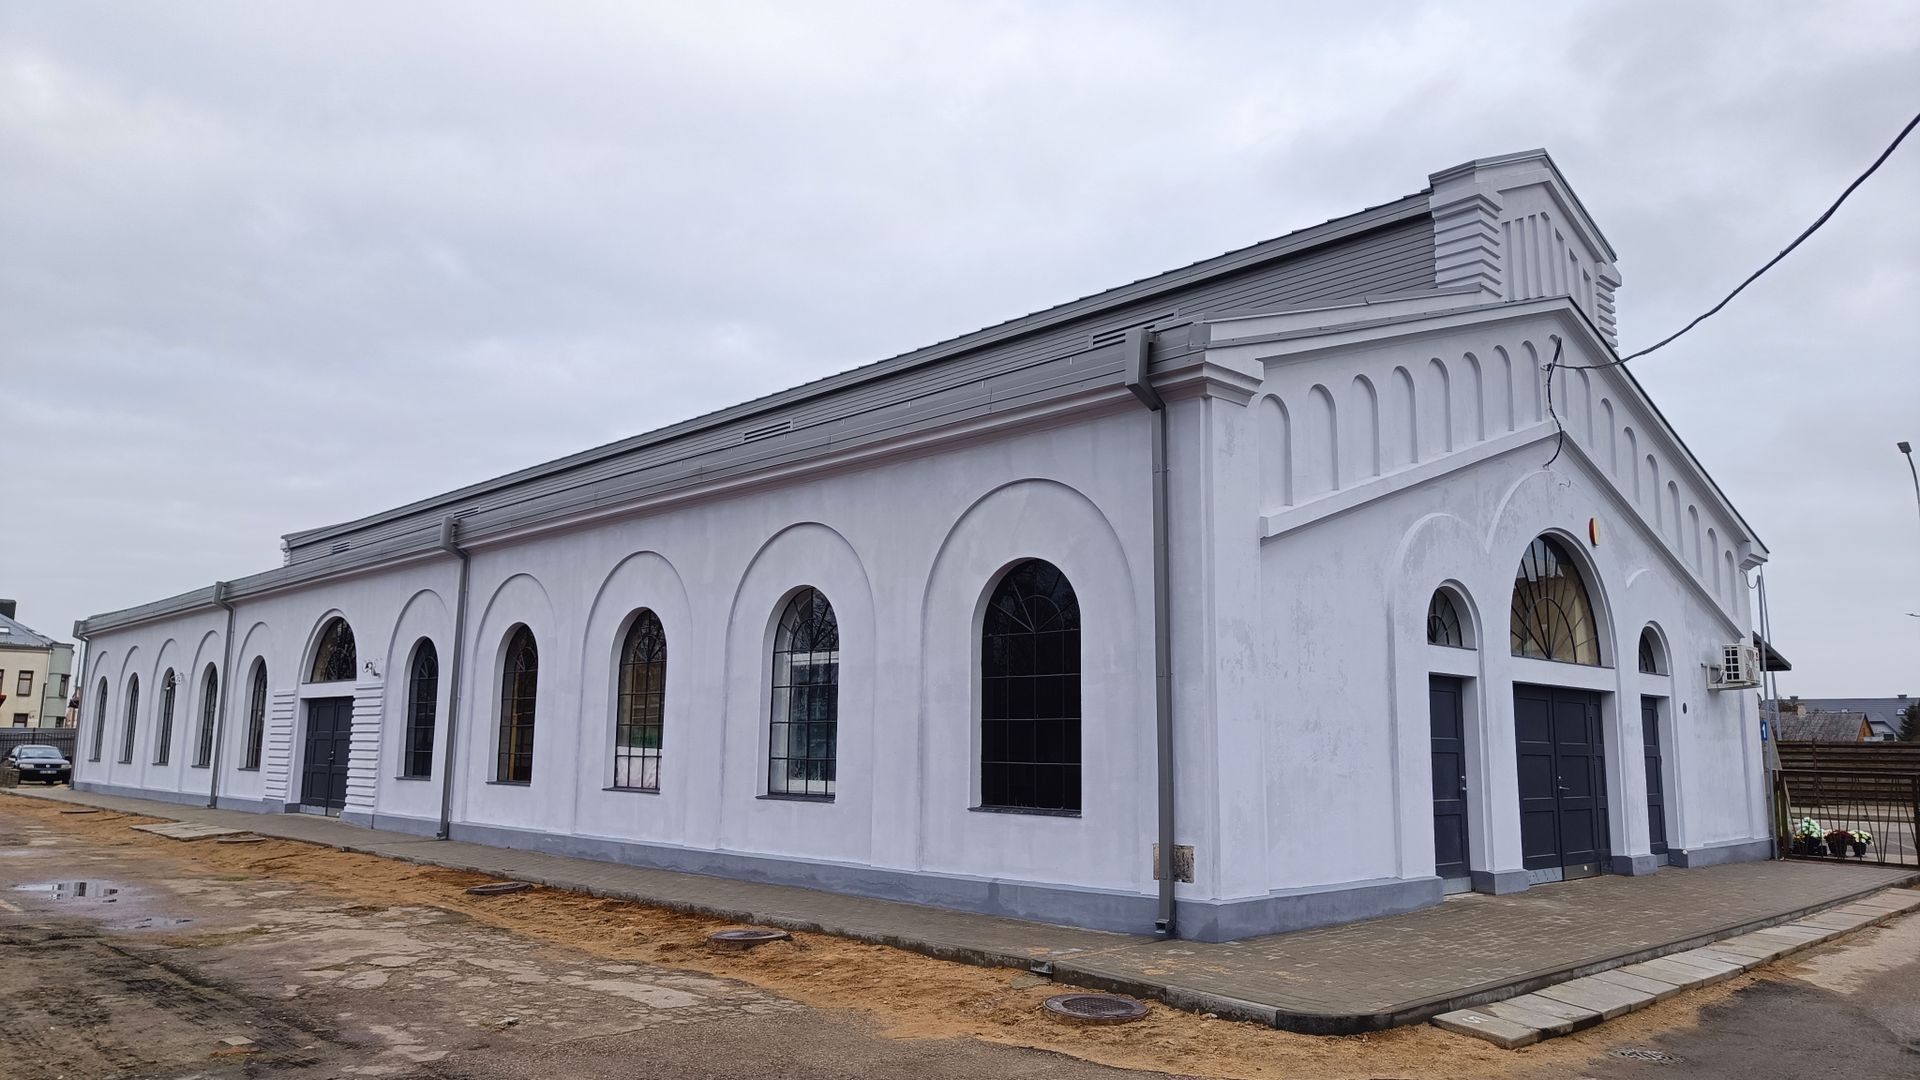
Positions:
(1138, 346)
(80, 721)
(220, 590)
(450, 543)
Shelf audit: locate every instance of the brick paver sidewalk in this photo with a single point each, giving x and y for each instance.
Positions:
(1361, 976)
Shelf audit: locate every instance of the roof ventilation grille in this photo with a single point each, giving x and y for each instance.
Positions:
(766, 431)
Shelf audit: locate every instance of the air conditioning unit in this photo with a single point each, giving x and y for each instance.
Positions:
(1739, 667)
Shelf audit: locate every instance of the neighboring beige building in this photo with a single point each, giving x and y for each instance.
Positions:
(35, 671)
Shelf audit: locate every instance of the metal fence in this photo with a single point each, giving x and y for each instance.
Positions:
(65, 738)
(1881, 804)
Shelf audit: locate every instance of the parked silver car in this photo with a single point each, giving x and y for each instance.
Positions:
(39, 762)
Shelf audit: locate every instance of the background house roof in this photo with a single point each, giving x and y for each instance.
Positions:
(1883, 714)
(1820, 727)
(16, 633)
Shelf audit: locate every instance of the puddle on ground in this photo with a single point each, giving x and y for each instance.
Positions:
(74, 890)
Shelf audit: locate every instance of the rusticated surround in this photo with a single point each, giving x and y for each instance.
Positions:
(1513, 228)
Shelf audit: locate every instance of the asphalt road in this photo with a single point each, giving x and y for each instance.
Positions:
(1847, 1010)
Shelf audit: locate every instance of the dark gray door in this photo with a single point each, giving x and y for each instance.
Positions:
(1656, 797)
(1444, 699)
(1563, 780)
(323, 770)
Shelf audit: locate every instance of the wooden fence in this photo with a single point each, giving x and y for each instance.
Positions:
(1872, 788)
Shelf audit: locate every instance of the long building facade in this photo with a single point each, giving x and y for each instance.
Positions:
(1177, 606)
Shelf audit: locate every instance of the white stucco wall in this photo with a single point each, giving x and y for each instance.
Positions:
(1330, 468)
(906, 551)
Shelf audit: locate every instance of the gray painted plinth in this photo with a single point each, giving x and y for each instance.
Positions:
(1500, 882)
(179, 798)
(1094, 909)
(1741, 851)
(1635, 865)
(1091, 908)
(1304, 909)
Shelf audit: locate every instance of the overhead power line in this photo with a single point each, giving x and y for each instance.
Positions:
(1784, 252)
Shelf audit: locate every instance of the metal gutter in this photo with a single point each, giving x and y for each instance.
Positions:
(220, 590)
(450, 543)
(1139, 347)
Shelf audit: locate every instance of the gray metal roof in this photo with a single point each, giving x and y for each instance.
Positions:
(1884, 713)
(15, 633)
(1068, 349)
(1010, 341)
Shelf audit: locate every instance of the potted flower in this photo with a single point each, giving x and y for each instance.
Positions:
(1837, 843)
(1806, 837)
(1861, 838)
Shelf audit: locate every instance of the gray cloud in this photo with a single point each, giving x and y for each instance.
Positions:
(268, 267)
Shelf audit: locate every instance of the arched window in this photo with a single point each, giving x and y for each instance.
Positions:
(99, 723)
(165, 743)
(335, 659)
(519, 679)
(639, 722)
(209, 695)
(805, 714)
(1443, 621)
(133, 716)
(1030, 692)
(1651, 660)
(1552, 615)
(256, 716)
(423, 703)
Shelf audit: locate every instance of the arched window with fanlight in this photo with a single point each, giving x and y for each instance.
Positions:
(1030, 692)
(334, 659)
(164, 741)
(1552, 614)
(1653, 659)
(133, 718)
(209, 708)
(640, 714)
(99, 724)
(1443, 621)
(256, 716)
(804, 718)
(423, 703)
(519, 683)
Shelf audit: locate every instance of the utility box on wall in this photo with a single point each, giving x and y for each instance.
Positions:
(1182, 863)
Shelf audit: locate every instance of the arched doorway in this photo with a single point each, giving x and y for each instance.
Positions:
(1560, 737)
(1653, 718)
(1451, 665)
(327, 747)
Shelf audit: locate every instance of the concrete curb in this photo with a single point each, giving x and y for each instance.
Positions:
(1520, 1021)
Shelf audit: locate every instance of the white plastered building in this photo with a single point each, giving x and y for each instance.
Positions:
(900, 632)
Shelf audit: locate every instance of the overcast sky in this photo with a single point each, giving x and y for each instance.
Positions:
(271, 266)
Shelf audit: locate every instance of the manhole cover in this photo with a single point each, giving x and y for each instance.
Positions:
(498, 888)
(1095, 1008)
(742, 940)
(240, 840)
(1641, 1053)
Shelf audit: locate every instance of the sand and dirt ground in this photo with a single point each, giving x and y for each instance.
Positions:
(349, 964)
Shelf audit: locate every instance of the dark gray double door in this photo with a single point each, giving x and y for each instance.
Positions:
(1561, 745)
(323, 761)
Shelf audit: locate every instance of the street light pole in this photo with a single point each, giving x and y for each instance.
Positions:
(1907, 449)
